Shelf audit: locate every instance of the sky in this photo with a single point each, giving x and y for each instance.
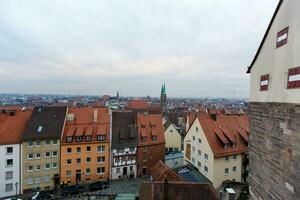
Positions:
(199, 48)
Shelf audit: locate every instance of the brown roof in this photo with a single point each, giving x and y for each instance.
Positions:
(227, 129)
(84, 123)
(150, 125)
(160, 172)
(153, 190)
(12, 126)
(137, 104)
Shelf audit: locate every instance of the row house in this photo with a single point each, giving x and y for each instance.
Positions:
(85, 145)
(12, 125)
(216, 144)
(124, 145)
(274, 155)
(151, 142)
(40, 166)
(172, 136)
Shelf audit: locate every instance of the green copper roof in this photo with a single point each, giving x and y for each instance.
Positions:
(163, 89)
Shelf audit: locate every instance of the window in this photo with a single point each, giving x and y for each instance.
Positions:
(171, 131)
(282, 37)
(88, 171)
(194, 138)
(69, 174)
(47, 154)
(234, 157)
(193, 160)
(39, 129)
(199, 164)
(118, 170)
(9, 150)
(154, 138)
(47, 166)
(78, 160)
(101, 159)
(79, 138)
(145, 159)
(145, 149)
(69, 139)
(199, 152)
(47, 178)
(30, 168)
(9, 187)
(100, 149)
(100, 170)
(144, 139)
(37, 155)
(9, 162)
(88, 160)
(54, 165)
(88, 149)
(101, 137)
(264, 82)
(37, 168)
(38, 143)
(199, 140)
(47, 142)
(69, 162)
(69, 150)
(30, 144)
(226, 158)
(54, 154)
(37, 180)
(131, 168)
(54, 142)
(29, 181)
(30, 156)
(206, 168)
(234, 169)
(193, 148)
(8, 175)
(205, 156)
(78, 149)
(226, 171)
(88, 138)
(294, 78)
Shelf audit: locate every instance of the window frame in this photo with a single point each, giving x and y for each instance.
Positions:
(281, 34)
(292, 72)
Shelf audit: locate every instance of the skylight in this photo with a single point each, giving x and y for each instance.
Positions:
(39, 129)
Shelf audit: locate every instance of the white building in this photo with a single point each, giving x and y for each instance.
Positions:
(172, 137)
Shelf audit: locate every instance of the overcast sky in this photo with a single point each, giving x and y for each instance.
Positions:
(198, 47)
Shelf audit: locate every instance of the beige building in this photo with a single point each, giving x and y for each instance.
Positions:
(41, 149)
(274, 155)
(172, 137)
(216, 144)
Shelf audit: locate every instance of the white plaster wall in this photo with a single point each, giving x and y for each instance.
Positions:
(174, 163)
(15, 168)
(115, 175)
(172, 138)
(277, 61)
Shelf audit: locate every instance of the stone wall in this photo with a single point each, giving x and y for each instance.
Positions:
(274, 155)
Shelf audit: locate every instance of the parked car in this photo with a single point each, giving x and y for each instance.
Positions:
(73, 190)
(100, 185)
(42, 195)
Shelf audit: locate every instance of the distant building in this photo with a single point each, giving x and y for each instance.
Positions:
(172, 138)
(12, 125)
(85, 149)
(124, 145)
(151, 141)
(163, 100)
(137, 104)
(41, 148)
(274, 155)
(216, 145)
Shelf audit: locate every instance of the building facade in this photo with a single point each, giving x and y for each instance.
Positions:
(151, 142)
(85, 150)
(216, 145)
(124, 145)
(172, 138)
(12, 125)
(41, 148)
(274, 155)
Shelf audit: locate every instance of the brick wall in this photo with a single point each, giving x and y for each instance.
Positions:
(274, 155)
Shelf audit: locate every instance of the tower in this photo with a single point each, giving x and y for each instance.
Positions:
(163, 100)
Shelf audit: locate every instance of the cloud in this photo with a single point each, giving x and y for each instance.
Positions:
(103, 46)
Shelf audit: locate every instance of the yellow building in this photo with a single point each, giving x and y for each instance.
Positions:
(216, 144)
(172, 137)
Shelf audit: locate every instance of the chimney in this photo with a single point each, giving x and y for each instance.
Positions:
(95, 115)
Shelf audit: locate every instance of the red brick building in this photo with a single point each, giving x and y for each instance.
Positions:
(151, 141)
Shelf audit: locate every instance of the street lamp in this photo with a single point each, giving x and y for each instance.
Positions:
(16, 184)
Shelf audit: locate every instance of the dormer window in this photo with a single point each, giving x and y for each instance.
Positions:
(294, 78)
(88, 138)
(154, 138)
(225, 146)
(282, 37)
(79, 138)
(69, 139)
(264, 82)
(144, 139)
(40, 129)
(101, 137)
(234, 144)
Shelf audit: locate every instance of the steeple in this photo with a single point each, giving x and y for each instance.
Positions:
(163, 99)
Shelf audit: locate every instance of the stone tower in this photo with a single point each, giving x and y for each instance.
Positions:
(163, 100)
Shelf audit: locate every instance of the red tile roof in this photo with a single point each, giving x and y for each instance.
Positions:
(227, 129)
(137, 104)
(160, 172)
(12, 127)
(150, 125)
(84, 123)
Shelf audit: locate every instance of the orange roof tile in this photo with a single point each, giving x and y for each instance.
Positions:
(137, 104)
(160, 172)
